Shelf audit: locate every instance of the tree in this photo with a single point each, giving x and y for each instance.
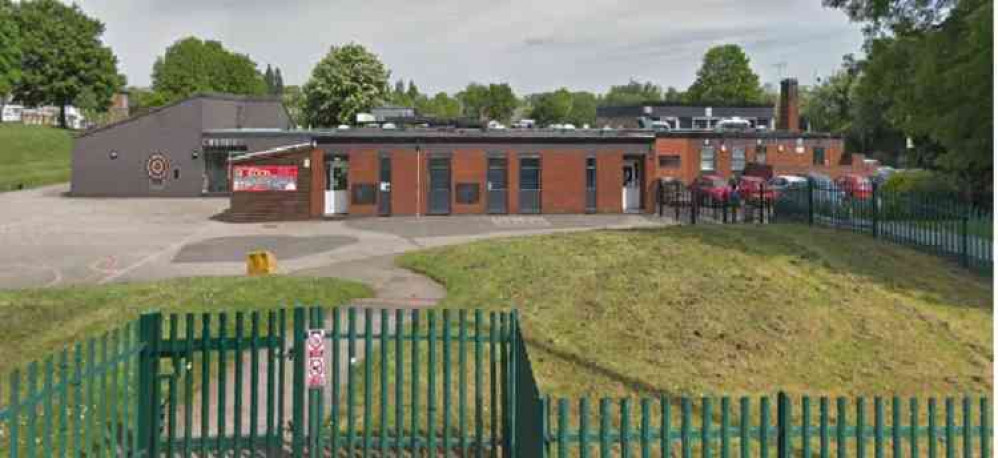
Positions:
(278, 82)
(294, 102)
(493, 102)
(929, 67)
(190, 66)
(673, 95)
(349, 80)
(632, 93)
(441, 106)
(412, 92)
(564, 106)
(62, 55)
(10, 52)
(725, 78)
(268, 79)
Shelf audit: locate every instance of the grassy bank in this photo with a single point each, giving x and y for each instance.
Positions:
(729, 310)
(36, 322)
(33, 156)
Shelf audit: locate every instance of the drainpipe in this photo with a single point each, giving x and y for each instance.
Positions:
(419, 187)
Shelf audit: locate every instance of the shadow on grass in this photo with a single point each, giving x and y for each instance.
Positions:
(632, 383)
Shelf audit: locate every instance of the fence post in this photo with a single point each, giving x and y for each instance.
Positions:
(810, 201)
(964, 242)
(150, 330)
(876, 210)
(694, 206)
(676, 200)
(783, 425)
(298, 384)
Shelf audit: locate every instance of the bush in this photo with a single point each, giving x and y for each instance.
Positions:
(919, 181)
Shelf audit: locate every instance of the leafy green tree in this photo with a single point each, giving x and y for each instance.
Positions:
(564, 106)
(493, 102)
(62, 55)
(349, 80)
(413, 92)
(673, 95)
(278, 82)
(725, 78)
(141, 100)
(441, 106)
(632, 93)
(190, 66)
(929, 69)
(10, 51)
(294, 102)
(268, 79)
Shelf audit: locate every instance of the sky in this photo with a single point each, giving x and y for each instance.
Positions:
(533, 45)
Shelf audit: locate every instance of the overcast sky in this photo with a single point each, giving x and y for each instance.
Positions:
(533, 45)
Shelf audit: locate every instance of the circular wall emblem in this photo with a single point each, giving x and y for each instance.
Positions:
(157, 166)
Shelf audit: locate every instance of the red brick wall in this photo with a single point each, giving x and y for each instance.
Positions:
(563, 181)
(609, 182)
(468, 166)
(317, 194)
(513, 175)
(786, 161)
(405, 196)
(275, 205)
(363, 169)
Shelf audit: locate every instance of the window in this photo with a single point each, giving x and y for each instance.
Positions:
(707, 159)
(818, 157)
(530, 174)
(738, 159)
(668, 162)
(701, 123)
(760, 154)
(590, 173)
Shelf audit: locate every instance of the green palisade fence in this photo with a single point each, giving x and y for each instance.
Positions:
(415, 383)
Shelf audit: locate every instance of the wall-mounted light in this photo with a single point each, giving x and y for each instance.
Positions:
(306, 163)
(195, 154)
(113, 155)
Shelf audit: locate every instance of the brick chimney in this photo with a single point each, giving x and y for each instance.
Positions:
(789, 116)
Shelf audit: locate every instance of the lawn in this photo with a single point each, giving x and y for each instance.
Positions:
(740, 310)
(33, 155)
(37, 322)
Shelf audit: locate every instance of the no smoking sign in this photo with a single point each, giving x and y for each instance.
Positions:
(316, 363)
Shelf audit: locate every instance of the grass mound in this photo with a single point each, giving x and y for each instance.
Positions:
(742, 310)
(33, 155)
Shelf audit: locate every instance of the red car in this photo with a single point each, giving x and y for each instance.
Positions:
(749, 189)
(855, 186)
(711, 187)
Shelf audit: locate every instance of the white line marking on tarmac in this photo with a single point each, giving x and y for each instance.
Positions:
(147, 259)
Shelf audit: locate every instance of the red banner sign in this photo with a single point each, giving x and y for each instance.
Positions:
(255, 178)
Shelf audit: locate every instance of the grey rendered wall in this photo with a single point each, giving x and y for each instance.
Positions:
(243, 114)
(174, 131)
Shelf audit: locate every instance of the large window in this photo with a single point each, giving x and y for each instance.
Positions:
(819, 156)
(738, 159)
(707, 159)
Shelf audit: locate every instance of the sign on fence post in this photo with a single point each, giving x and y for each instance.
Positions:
(316, 348)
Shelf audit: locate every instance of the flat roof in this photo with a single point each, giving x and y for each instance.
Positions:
(369, 135)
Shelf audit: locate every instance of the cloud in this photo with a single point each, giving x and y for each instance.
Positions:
(534, 45)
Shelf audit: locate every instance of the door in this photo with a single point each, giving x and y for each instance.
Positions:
(337, 194)
(385, 187)
(496, 185)
(632, 186)
(530, 185)
(439, 186)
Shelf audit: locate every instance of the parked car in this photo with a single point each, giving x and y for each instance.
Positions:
(711, 187)
(825, 189)
(750, 189)
(784, 182)
(855, 186)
